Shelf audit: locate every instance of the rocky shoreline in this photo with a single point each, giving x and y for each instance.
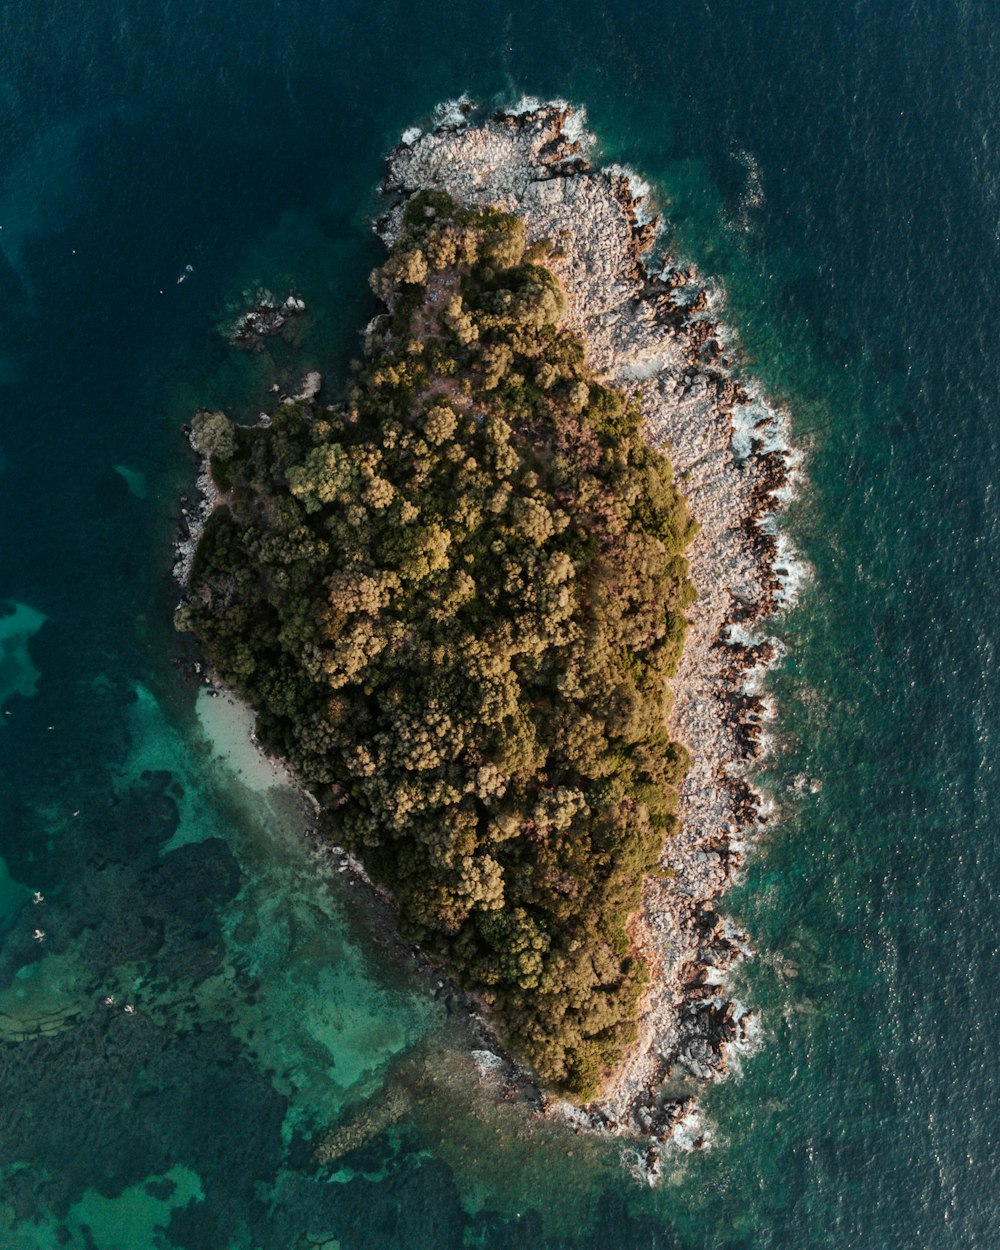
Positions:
(650, 328)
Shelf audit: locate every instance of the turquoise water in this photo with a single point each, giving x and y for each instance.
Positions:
(836, 165)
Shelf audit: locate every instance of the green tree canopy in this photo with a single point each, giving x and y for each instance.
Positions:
(455, 605)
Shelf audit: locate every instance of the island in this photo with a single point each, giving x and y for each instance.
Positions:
(495, 608)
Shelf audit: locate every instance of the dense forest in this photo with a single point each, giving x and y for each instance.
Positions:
(455, 601)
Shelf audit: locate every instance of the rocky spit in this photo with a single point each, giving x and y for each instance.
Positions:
(650, 327)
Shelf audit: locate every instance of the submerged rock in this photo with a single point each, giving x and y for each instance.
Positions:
(267, 316)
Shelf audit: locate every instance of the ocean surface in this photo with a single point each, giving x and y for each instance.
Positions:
(835, 167)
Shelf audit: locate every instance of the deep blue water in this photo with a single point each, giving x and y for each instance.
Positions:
(836, 166)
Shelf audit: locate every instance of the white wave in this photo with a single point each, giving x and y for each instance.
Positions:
(529, 104)
(641, 191)
(575, 127)
(692, 1131)
(452, 113)
(642, 1165)
(737, 635)
(715, 293)
(753, 681)
(410, 136)
(765, 749)
(750, 1038)
(759, 421)
(791, 571)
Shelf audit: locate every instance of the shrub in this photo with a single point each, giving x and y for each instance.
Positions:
(454, 606)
